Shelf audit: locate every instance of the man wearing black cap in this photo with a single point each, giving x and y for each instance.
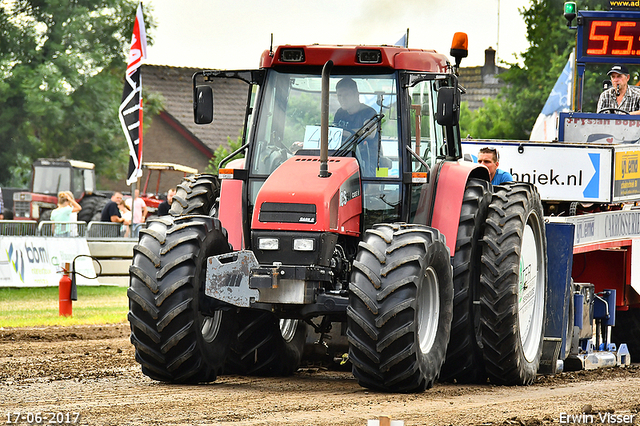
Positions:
(620, 96)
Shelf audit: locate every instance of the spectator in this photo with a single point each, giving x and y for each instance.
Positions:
(66, 206)
(125, 213)
(489, 157)
(163, 208)
(139, 209)
(111, 213)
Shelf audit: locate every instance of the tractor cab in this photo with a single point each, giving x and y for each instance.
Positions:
(49, 177)
(382, 104)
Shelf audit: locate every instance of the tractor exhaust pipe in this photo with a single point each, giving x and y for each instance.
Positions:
(324, 122)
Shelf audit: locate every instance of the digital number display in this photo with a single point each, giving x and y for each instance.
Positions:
(611, 37)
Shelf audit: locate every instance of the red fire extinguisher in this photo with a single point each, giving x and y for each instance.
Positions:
(64, 293)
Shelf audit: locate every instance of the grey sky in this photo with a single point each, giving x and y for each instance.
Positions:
(228, 35)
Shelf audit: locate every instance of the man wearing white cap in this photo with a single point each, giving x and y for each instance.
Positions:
(620, 96)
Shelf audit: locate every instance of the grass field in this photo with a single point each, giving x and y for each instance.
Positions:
(31, 307)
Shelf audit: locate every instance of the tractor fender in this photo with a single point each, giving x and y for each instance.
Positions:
(230, 204)
(451, 182)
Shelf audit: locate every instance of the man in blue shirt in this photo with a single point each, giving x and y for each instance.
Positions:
(489, 157)
(351, 116)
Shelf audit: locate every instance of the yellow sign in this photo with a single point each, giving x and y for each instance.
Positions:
(627, 165)
(624, 5)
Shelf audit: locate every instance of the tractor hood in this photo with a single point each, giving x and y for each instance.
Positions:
(295, 198)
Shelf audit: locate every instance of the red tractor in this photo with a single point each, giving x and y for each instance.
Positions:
(368, 223)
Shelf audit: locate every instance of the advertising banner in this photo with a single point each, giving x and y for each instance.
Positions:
(626, 183)
(560, 172)
(38, 261)
(599, 128)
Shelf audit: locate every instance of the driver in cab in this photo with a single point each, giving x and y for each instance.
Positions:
(620, 96)
(351, 116)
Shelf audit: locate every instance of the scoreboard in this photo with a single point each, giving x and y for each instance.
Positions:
(609, 37)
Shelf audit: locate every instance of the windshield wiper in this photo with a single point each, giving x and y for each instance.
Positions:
(360, 135)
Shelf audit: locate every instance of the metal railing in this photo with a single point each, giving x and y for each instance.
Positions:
(18, 227)
(102, 230)
(48, 228)
(91, 230)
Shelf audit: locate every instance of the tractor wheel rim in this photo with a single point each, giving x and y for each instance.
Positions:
(428, 310)
(211, 326)
(288, 329)
(530, 291)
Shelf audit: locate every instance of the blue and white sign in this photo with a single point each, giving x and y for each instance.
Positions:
(560, 172)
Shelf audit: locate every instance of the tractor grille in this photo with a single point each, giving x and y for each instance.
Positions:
(287, 213)
(22, 208)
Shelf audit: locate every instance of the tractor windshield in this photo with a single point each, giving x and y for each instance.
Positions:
(51, 180)
(289, 121)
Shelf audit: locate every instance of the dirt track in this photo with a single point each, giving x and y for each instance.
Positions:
(91, 370)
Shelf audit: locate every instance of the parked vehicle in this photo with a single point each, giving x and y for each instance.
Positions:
(51, 176)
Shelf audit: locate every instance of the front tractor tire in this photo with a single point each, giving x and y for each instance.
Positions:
(400, 308)
(174, 341)
(513, 285)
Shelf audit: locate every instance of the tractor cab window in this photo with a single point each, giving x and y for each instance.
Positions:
(78, 183)
(289, 121)
(427, 137)
(51, 180)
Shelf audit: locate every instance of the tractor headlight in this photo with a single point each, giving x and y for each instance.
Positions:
(268, 244)
(303, 244)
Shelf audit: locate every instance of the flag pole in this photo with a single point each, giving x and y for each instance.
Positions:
(133, 209)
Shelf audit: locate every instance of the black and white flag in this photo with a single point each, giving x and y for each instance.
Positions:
(130, 111)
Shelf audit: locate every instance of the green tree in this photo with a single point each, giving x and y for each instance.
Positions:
(62, 64)
(528, 86)
(222, 152)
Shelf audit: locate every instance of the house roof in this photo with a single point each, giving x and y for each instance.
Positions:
(175, 86)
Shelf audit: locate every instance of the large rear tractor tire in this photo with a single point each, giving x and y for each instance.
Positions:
(513, 285)
(92, 206)
(174, 341)
(266, 346)
(400, 308)
(464, 362)
(196, 194)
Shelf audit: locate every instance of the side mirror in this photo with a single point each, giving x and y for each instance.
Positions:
(203, 105)
(448, 110)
